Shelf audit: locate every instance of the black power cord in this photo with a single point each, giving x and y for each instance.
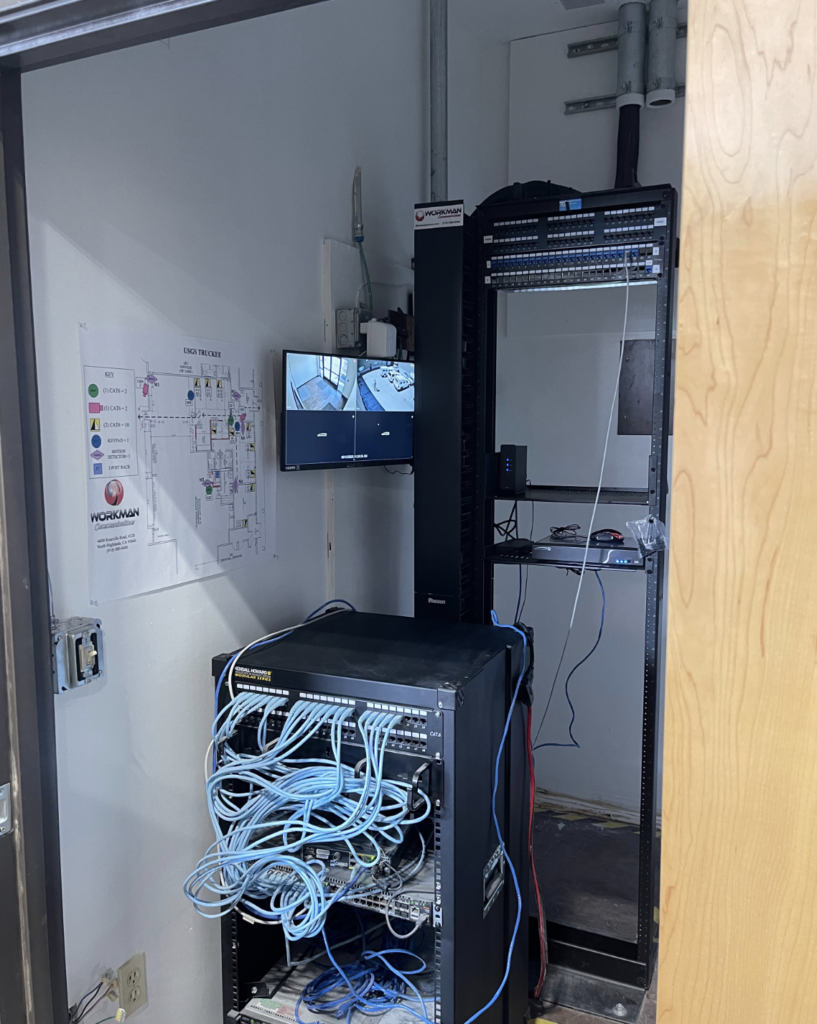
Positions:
(570, 532)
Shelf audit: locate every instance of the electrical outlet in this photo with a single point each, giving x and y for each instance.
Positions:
(133, 984)
(347, 328)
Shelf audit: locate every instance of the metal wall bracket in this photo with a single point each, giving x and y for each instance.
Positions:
(607, 43)
(6, 822)
(603, 102)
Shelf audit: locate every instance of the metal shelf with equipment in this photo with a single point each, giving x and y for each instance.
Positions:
(531, 238)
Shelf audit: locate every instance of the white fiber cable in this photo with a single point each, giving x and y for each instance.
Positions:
(598, 492)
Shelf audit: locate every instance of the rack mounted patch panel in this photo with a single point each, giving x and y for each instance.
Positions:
(591, 265)
(418, 732)
(581, 247)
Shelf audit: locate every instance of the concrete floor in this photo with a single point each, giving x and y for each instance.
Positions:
(588, 871)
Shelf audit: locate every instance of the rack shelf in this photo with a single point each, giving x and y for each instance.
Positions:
(598, 558)
(579, 495)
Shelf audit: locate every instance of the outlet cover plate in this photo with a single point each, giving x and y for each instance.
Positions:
(133, 984)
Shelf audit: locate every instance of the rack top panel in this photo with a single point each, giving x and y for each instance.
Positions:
(411, 652)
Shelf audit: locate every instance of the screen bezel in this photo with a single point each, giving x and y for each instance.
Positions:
(282, 447)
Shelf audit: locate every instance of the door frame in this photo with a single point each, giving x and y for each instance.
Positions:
(33, 987)
(32, 952)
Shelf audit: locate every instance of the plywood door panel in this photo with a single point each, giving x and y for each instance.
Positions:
(739, 883)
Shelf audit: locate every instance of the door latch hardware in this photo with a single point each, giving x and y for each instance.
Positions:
(5, 809)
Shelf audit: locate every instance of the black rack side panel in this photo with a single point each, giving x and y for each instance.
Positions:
(474, 406)
(445, 572)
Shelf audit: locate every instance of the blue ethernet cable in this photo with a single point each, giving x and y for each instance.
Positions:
(372, 987)
(508, 860)
(273, 803)
(271, 640)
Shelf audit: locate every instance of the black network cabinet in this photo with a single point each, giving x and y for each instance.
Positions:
(454, 684)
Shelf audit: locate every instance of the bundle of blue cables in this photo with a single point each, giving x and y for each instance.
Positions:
(266, 805)
(372, 984)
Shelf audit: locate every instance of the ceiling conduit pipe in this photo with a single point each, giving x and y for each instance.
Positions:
(632, 41)
(662, 33)
(438, 37)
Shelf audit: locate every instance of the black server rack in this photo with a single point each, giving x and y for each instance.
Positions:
(455, 686)
(532, 238)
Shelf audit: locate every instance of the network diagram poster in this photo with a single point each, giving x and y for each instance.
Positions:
(174, 437)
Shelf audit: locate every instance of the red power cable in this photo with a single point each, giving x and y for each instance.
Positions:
(543, 947)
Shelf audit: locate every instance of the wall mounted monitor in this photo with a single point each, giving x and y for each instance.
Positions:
(346, 412)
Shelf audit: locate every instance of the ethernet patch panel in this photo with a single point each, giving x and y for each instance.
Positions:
(591, 265)
(577, 247)
(411, 735)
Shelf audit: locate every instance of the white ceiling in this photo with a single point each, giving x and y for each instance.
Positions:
(503, 20)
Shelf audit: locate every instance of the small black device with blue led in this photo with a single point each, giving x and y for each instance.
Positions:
(512, 470)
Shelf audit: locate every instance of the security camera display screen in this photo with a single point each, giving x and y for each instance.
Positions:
(340, 411)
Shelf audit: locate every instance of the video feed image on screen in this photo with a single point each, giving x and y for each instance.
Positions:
(320, 383)
(343, 411)
(385, 386)
(321, 395)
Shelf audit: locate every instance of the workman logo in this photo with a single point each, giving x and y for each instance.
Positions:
(120, 513)
(447, 215)
(114, 492)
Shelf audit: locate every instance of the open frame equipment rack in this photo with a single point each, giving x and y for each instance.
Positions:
(562, 240)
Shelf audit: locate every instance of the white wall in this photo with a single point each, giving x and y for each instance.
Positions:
(478, 110)
(185, 187)
(558, 354)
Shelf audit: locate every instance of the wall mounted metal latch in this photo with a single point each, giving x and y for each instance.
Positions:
(5, 810)
(78, 653)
